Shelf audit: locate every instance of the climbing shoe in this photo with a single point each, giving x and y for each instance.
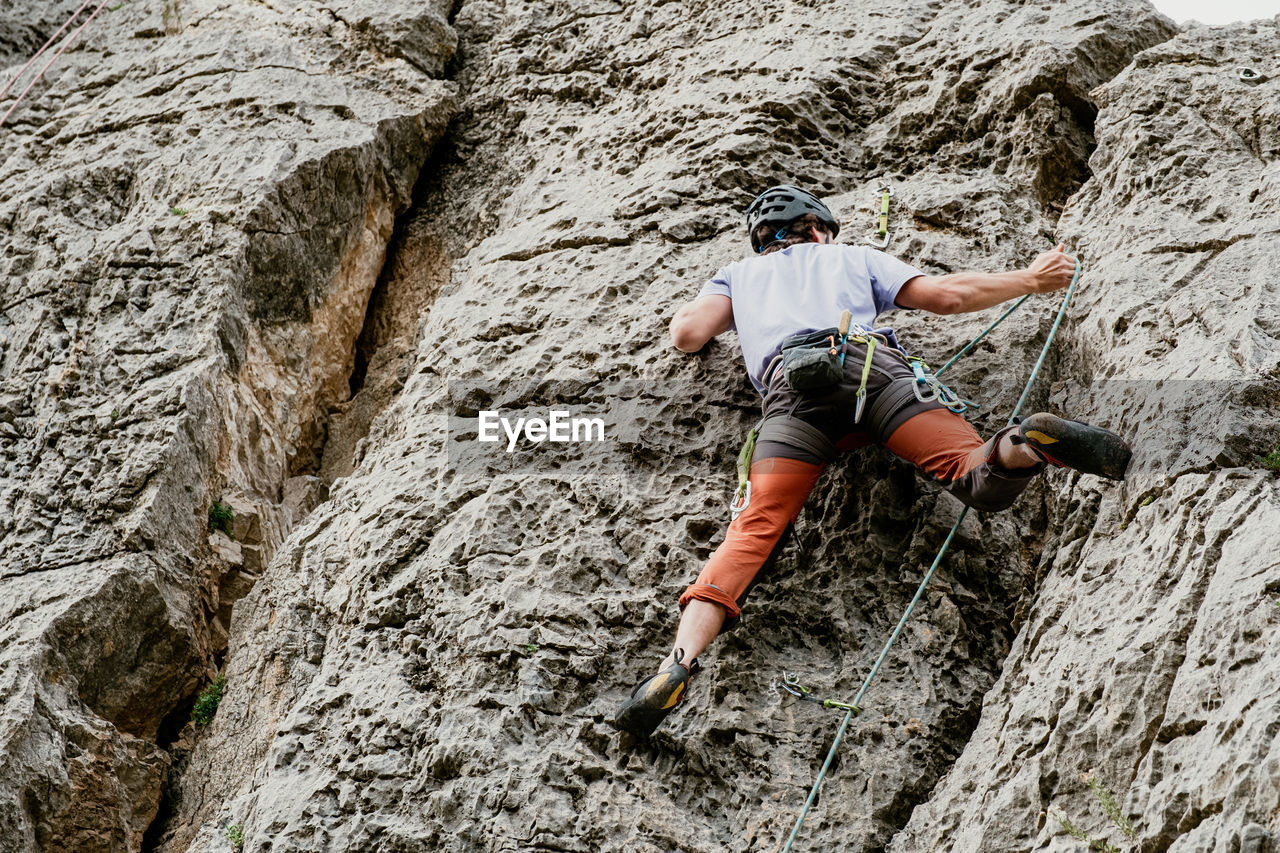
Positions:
(1074, 444)
(654, 698)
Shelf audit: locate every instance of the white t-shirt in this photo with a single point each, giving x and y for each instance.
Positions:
(804, 288)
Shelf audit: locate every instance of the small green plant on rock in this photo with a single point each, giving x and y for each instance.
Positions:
(1080, 835)
(235, 835)
(1271, 461)
(220, 517)
(207, 702)
(1109, 805)
(179, 211)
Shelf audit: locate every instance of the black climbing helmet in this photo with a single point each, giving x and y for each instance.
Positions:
(781, 205)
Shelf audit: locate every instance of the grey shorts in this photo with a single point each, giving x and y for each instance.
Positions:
(891, 401)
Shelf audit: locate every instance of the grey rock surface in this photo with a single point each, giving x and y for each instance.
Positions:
(1148, 659)
(453, 630)
(208, 296)
(196, 202)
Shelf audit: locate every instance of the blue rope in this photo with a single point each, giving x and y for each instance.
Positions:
(1044, 352)
(973, 343)
(928, 576)
(866, 683)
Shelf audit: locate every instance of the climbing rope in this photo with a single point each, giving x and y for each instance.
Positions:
(62, 49)
(973, 343)
(856, 705)
(43, 48)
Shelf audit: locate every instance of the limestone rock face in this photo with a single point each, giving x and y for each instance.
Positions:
(213, 293)
(1148, 658)
(196, 203)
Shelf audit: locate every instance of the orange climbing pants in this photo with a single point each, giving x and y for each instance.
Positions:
(940, 442)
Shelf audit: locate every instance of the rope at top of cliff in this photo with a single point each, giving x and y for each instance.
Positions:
(855, 706)
(61, 49)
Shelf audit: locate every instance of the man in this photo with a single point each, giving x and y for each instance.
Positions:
(799, 280)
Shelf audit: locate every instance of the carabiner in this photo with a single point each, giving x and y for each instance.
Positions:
(917, 367)
(741, 500)
(791, 683)
(924, 388)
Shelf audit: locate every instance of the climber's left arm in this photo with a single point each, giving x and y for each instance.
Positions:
(960, 293)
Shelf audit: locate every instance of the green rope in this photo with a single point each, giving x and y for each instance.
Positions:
(1044, 351)
(973, 343)
(866, 684)
(906, 614)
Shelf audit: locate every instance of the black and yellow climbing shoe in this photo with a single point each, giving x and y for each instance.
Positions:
(1074, 444)
(654, 698)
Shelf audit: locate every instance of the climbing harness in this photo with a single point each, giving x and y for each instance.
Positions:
(62, 49)
(791, 430)
(814, 361)
(791, 683)
(928, 576)
(880, 237)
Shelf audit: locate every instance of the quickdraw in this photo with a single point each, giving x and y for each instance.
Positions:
(929, 387)
(862, 385)
(880, 237)
(846, 320)
(742, 496)
(791, 683)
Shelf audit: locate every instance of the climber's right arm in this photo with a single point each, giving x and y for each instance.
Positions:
(701, 320)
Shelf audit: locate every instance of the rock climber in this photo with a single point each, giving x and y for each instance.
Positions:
(790, 290)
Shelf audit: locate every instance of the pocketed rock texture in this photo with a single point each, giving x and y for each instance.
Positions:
(429, 660)
(196, 203)
(1149, 657)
